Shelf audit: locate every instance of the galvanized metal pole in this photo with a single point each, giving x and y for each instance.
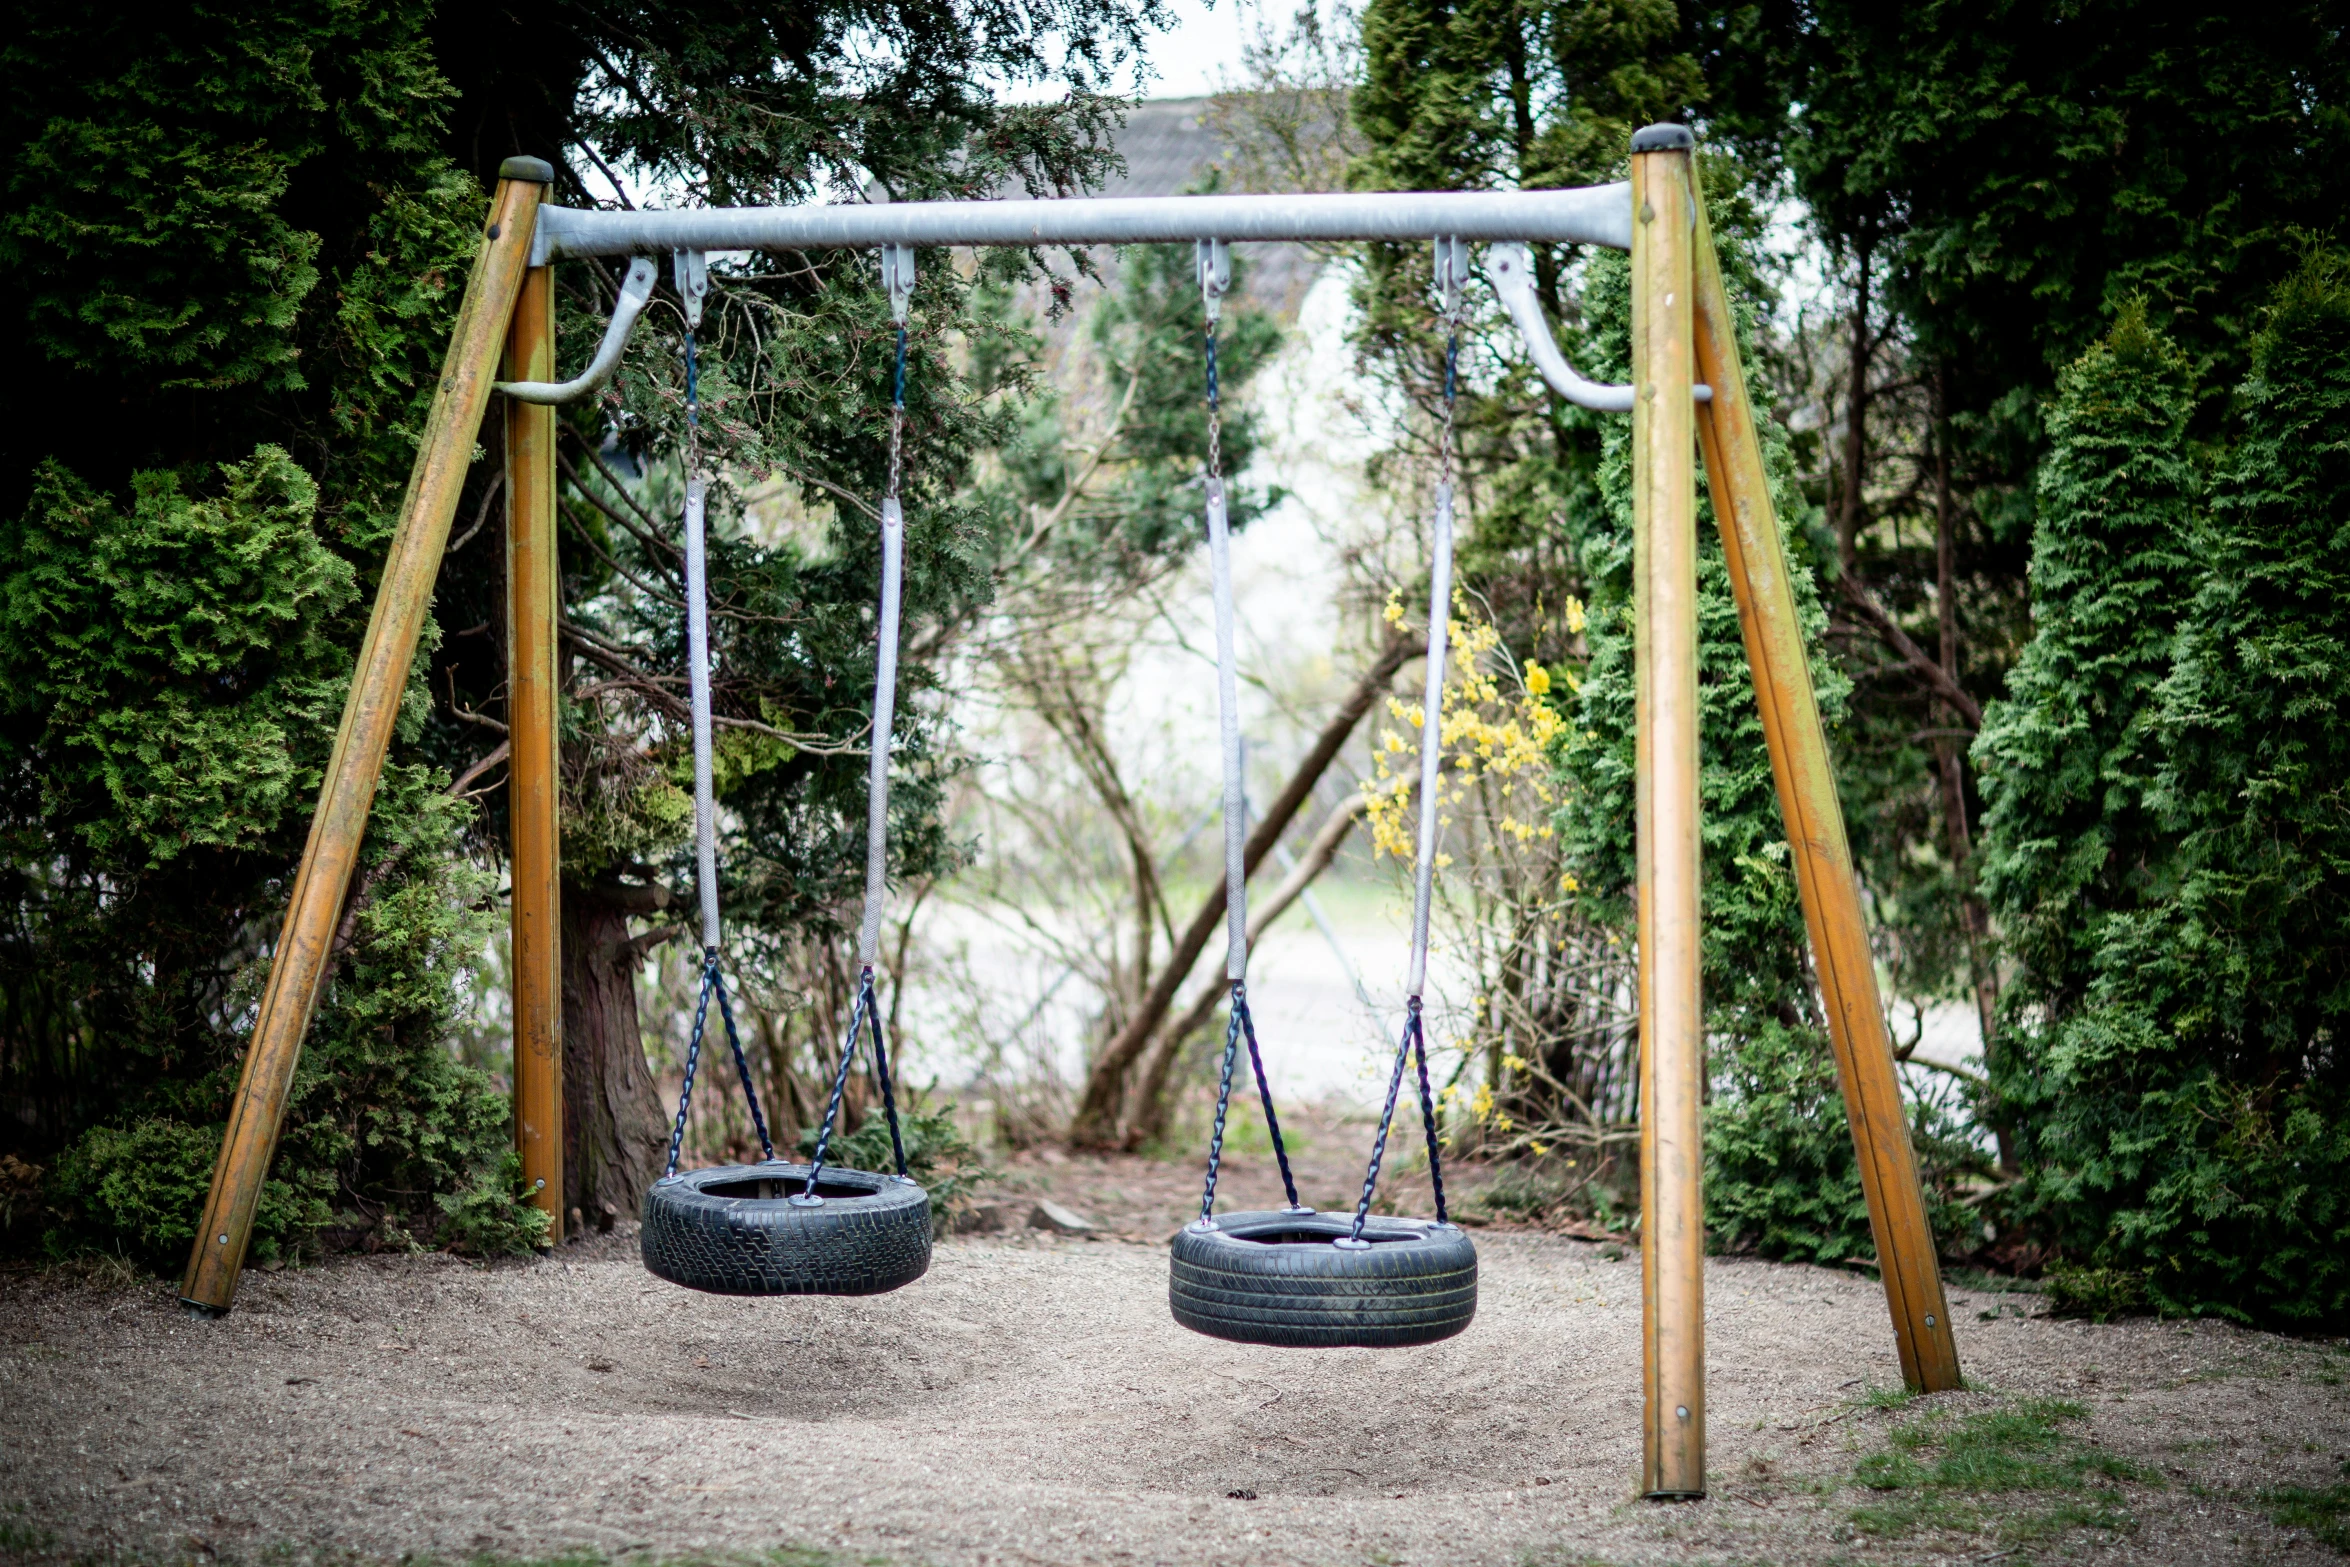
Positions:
(299, 965)
(532, 789)
(1815, 828)
(1672, 1041)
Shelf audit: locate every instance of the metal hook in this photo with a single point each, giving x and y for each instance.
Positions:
(635, 290)
(1512, 270)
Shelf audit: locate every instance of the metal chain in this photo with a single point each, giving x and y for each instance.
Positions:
(897, 423)
(1215, 414)
(693, 407)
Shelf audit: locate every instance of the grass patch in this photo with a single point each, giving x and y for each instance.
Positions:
(2100, 1294)
(1940, 1472)
(19, 1535)
(2324, 1510)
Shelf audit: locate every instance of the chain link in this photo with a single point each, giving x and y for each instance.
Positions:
(897, 423)
(1215, 415)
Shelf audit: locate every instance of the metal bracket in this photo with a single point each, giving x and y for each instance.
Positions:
(897, 280)
(690, 270)
(1512, 271)
(635, 290)
(1212, 260)
(1452, 273)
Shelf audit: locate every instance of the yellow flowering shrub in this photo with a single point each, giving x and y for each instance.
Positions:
(1495, 743)
(1501, 891)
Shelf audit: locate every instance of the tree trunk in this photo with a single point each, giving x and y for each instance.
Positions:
(615, 1137)
(1974, 918)
(1147, 1117)
(1856, 428)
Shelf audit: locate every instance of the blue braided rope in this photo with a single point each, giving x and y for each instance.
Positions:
(693, 1057)
(1248, 1026)
(714, 984)
(867, 1011)
(742, 1065)
(1419, 1033)
(889, 1098)
(840, 1081)
(1207, 1202)
(1403, 1049)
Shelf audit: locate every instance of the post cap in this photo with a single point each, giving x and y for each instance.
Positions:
(1663, 138)
(540, 172)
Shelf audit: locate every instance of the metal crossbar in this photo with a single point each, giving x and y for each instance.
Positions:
(1586, 215)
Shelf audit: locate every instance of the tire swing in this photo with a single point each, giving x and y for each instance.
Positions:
(1293, 1277)
(779, 1228)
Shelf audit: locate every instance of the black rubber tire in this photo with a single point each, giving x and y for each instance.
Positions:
(872, 1233)
(1417, 1282)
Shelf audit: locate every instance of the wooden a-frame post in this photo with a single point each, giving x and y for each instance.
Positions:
(533, 597)
(1683, 334)
(304, 951)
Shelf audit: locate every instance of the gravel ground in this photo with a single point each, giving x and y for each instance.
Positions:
(1030, 1401)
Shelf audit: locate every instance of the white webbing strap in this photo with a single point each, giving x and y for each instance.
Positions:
(1432, 736)
(885, 695)
(697, 652)
(1228, 708)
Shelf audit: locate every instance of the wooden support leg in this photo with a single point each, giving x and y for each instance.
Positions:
(531, 790)
(1672, 1041)
(1815, 827)
(299, 964)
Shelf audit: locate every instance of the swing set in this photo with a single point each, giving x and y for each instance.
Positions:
(1288, 1276)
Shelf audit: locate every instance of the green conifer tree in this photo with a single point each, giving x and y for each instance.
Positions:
(2067, 757)
(2196, 1124)
(239, 234)
(1780, 1173)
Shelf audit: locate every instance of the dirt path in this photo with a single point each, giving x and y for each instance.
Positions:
(1030, 1401)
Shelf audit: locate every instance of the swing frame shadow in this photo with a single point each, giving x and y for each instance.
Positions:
(1684, 340)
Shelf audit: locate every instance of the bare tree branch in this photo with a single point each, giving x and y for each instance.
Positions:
(1095, 1124)
(1918, 661)
(1148, 1114)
